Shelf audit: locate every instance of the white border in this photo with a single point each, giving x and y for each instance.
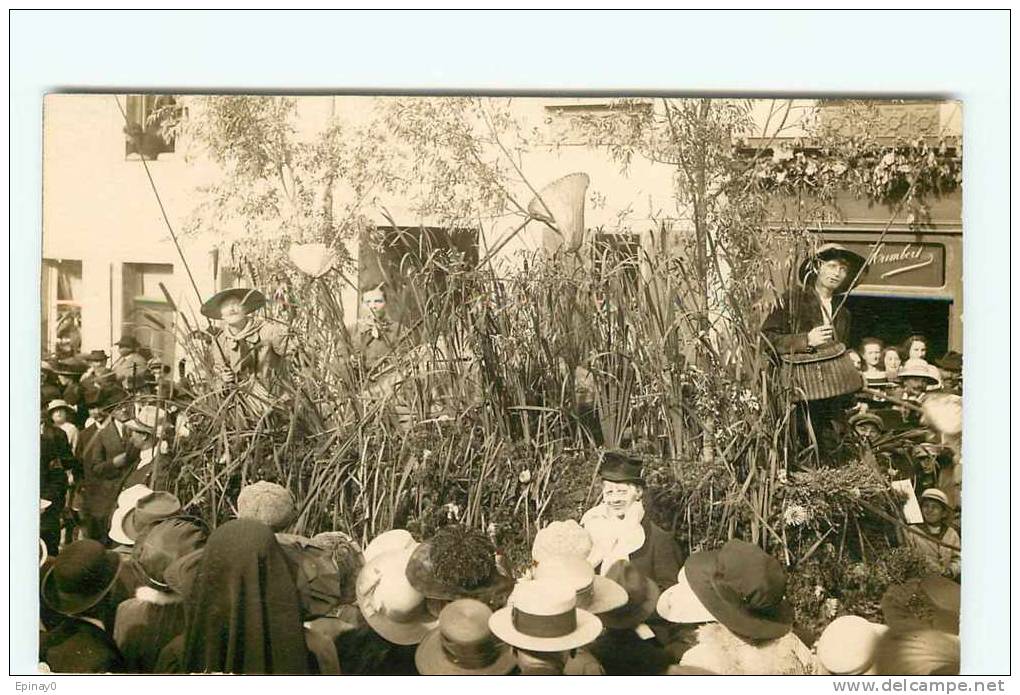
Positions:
(962, 55)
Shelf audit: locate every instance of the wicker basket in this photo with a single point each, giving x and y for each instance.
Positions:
(825, 372)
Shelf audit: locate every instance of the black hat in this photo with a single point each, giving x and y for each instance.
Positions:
(128, 341)
(952, 361)
(71, 367)
(81, 576)
(252, 300)
(95, 356)
(620, 467)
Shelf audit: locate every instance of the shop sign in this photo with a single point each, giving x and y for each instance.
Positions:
(899, 264)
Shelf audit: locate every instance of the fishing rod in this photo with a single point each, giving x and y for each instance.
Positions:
(173, 235)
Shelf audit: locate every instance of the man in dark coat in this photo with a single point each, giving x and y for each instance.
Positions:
(107, 461)
(55, 459)
(812, 315)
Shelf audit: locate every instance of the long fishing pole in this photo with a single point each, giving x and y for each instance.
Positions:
(173, 235)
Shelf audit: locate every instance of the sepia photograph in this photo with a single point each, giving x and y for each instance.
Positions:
(490, 385)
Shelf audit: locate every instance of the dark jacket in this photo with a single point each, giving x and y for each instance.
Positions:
(624, 653)
(103, 478)
(660, 558)
(789, 323)
(78, 646)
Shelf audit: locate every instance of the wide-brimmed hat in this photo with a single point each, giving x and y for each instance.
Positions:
(847, 646)
(388, 541)
(154, 507)
(620, 467)
(95, 356)
(126, 501)
(71, 367)
(827, 252)
(595, 594)
(463, 644)
(251, 300)
(679, 603)
(561, 538)
(267, 502)
(136, 425)
(542, 616)
(81, 576)
(458, 562)
(57, 404)
(925, 603)
(166, 542)
(128, 341)
(918, 653)
(642, 596)
(918, 369)
(388, 602)
(743, 587)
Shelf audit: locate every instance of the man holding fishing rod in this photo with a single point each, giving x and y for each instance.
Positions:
(808, 332)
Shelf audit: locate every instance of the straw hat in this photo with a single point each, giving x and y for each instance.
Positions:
(463, 644)
(595, 594)
(395, 539)
(679, 603)
(251, 300)
(57, 404)
(542, 616)
(81, 576)
(154, 507)
(267, 502)
(388, 602)
(126, 501)
(561, 538)
(919, 369)
(642, 595)
(743, 587)
(847, 646)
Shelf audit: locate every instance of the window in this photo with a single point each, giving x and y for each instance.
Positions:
(150, 128)
(61, 307)
(147, 315)
(392, 254)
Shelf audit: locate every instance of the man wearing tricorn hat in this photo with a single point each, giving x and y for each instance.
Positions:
(248, 346)
(812, 327)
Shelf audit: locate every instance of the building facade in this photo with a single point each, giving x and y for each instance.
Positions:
(110, 266)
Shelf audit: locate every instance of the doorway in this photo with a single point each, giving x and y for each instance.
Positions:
(892, 319)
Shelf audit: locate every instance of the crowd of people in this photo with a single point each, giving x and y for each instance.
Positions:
(154, 590)
(131, 581)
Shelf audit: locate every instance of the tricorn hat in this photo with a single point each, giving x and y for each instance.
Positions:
(251, 299)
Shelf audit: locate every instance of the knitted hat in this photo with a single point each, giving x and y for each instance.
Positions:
(267, 502)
